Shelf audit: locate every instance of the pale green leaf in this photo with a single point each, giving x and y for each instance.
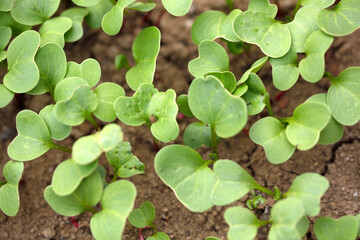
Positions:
(141, 6)
(77, 16)
(5, 35)
(255, 94)
(7, 20)
(303, 226)
(89, 70)
(177, 7)
(255, 67)
(326, 228)
(97, 12)
(6, 96)
(263, 6)
(53, 30)
(183, 105)
(58, 130)
(86, 3)
(142, 216)
(6, 5)
(66, 88)
(317, 3)
(227, 78)
(159, 236)
(112, 21)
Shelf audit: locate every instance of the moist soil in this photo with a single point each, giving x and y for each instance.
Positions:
(338, 162)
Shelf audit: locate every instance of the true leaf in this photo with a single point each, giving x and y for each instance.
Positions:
(233, 182)
(145, 49)
(183, 104)
(23, 74)
(7, 20)
(89, 70)
(112, 21)
(107, 93)
(197, 134)
(57, 129)
(176, 7)
(117, 202)
(163, 106)
(142, 216)
(344, 97)
(270, 133)
(227, 78)
(318, 3)
(6, 96)
(326, 228)
(255, 94)
(87, 195)
(96, 13)
(309, 188)
(342, 20)
(255, 67)
(263, 6)
(312, 67)
(53, 30)
(77, 16)
(141, 6)
(211, 103)
(86, 3)
(33, 138)
(212, 58)
(271, 36)
(187, 174)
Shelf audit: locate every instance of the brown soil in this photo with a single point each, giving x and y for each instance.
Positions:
(339, 162)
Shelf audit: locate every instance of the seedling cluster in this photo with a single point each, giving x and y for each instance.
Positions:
(221, 102)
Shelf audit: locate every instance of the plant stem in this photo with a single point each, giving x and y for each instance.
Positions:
(114, 177)
(2, 183)
(296, 8)
(61, 148)
(214, 142)
(91, 209)
(329, 76)
(265, 190)
(112, 1)
(268, 105)
(93, 122)
(284, 119)
(230, 4)
(156, 141)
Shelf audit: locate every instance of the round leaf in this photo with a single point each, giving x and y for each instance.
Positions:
(66, 88)
(113, 19)
(77, 16)
(183, 104)
(143, 216)
(227, 79)
(197, 134)
(9, 199)
(53, 30)
(303, 226)
(177, 7)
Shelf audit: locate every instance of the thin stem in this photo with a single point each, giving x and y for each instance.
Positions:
(91, 209)
(230, 4)
(114, 177)
(329, 76)
(297, 7)
(112, 1)
(93, 122)
(61, 148)
(214, 142)
(265, 190)
(268, 105)
(148, 123)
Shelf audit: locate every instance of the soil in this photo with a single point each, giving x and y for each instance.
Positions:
(338, 162)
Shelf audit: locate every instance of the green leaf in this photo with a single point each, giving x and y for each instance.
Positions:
(97, 12)
(85, 3)
(135, 111)
(285, 216)
(212, 238)
(303, 226)
(326, 228)
(211, 103)
(233, 183)
(58, 130)
(107, 93)
(263, 6)
(342, 20)
(34, 12)
(6, 96)
(7, 20)
(68, 176)
(87, 149)
(51, 61)
(142, 216)
(242, 223)
(318, 3)
(159, 236)
(3, 55)
(5, 35)
(214, 24)
(66, 88)
(212, 58)
(87, 195)
(163, 106)
(240, 90)
(112, 21)
(142, 7)
(334, 131)
(308, 120)
(183, 105)
(197, 134)
(53, 30)
(270, 133)
(117, 202)
(312, 67)
(23, 74)
(187, 174)
(89, 70)
(309, 188)
(344, 97)
(145, 49)
(358, 220)
(6, 5)
(271, 36)
(176, 7)
(253, 69)
(227, 78)
(121, 62)
(255, 94)
(125, 164)
(285, 72)
(77, 16)
(33, 138)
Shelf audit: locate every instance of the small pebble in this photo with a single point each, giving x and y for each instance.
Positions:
(355, 194)
(48, 233)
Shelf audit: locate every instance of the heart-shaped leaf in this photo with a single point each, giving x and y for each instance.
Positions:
(344, 96)
(243, 223)
(117, 202)
(177, 7)
(187, 174)
(33, 138)
(255, 94)
(271, 36)
(6, 5)
(141, 6)
(270, 133)
(163, 106)
(87, 149)
(285, 72)
(23, 74)
(7, 20)
(285, 216)
(135, 110)
(107, 93)
(68, 176)
(317, 3)
(58, 130)
(9, 194)
(253, 69)
(214, 24)
(6, 96)
(227, 78)
(211, 103)
(312, 67)
(334, 131)
(77, 16)
(125, 164)
(86, 3)
(212, 58)
(53, 30)
(308, 120)
(89, 70)
(87, 195)
(51, 61)
(197, 134)
(263, 6)
(145, 49)
(34, 12)
(97, 12)
(142, 216)
(112, 21)
(233, 182)
(342, 20)
(309, 188)
(183, 104)
(326, 228)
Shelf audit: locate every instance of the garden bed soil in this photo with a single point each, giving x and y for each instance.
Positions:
(340, 162)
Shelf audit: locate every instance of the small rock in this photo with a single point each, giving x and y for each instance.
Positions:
(356, 194)
(48, 233)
